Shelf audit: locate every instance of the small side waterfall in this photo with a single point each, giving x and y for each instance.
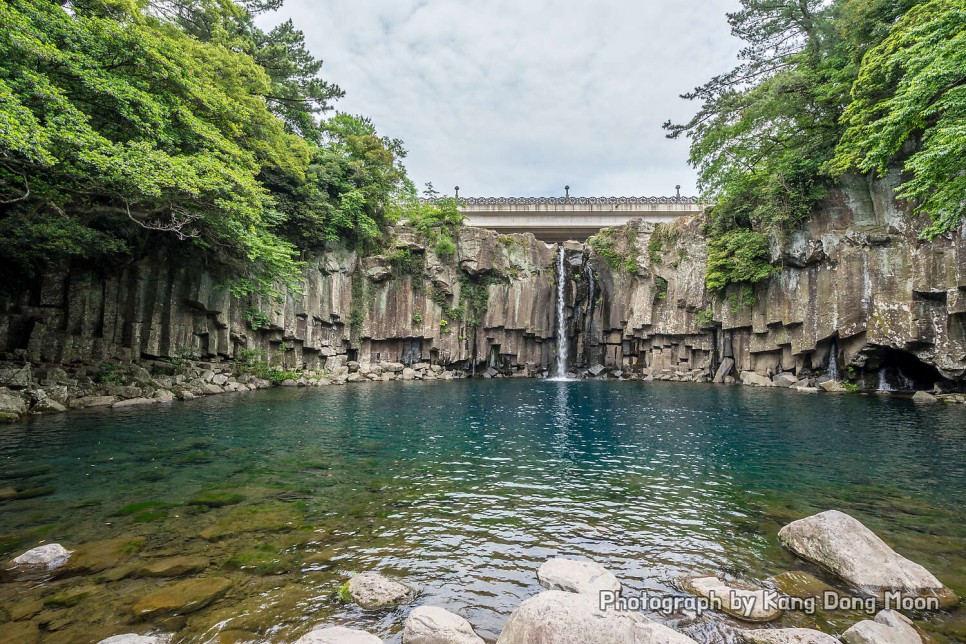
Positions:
(561, 321)
(883, 382)
(833, 360)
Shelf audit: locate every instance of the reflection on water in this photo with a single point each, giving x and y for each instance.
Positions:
(463, 489)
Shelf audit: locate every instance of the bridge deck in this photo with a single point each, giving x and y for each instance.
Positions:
(572, 218)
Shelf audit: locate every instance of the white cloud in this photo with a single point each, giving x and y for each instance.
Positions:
(520, 97)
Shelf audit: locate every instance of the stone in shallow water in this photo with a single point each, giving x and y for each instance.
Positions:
(269, 517)
(372, 590)
(889, 627)
(559, 617)
(174, 566)
(49, 556)
(747, 605)
(787, 636)
(840, 544)
(434, 625)
(96, 556)
(183, 597)
(576, 576)
(19, 632)
(798, 583)
(134, 638)
(338, 635)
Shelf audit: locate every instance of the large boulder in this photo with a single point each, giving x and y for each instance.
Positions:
(889, 627)
(338, 635)
(785, 379)
(832, 387)
(46, 557)
(371, 590)
(434, 625)
(747, 605)
(12, 406)
(840, 544)
(787, 636)
(559, 617)
(576, 576)
(755, 379)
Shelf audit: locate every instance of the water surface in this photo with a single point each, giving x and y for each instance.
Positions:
(463, 489)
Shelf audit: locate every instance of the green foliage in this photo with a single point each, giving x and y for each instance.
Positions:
(257, 319)
(278, 376)
(912, 88)
(253, 362)
(436, 219)
(357, 310)
(617, 247)
(343, 594)
(112, 373)
(739, 255)
(660, 288)
(742, 297)
(663, 235)
(704, 317)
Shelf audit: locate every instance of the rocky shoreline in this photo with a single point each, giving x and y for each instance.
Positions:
(582, 601)
(26, 390)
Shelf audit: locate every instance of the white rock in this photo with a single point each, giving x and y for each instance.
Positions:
(372, 590)
(832, 386)
(889, 627)
(755, 379)
(338, 635)
(557, 617)
(49, 556)
(924, 397)
(785, 379)
(787, 636)
(434, 625)
(576, 576)
(747, 605)
(840, 544)
(134, 638)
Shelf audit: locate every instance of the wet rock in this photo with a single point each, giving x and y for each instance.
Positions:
(164, 396)
(270, 517)
(19, 632)
(842, 545)
(434, 625)
(924, 397)
(371, 590)
(798, 583)
(832, 387)
(210, 389)
(755, 379)
(47, 557)
(889, 627)
(596, 370)
(93, 401)
(96, 556)
(724, 369)
(787, 636)
(185, 596)
(408, 374)
(12, 406)
(576, 576)
(134, 402)
(573, 618)
(747, 605)
(134, 638)
(338, 635)
(174, 566)
(785, 379)
(43, 403)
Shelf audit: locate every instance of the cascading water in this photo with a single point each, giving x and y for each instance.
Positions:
(883, 382)
(833, 360)
(561, 322)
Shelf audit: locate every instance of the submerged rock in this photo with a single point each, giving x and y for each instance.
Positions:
(371, 590)
(48, 557)
(840, 544)
(576, 576)
(798, 583)
(434, 625)
(747, 605)
(889, 627)
(338, 635)
(185, 596)
(559, 617)
(787, 636)
(174, 566)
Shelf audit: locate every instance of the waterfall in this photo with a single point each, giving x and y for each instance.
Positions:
(561, 322)
(833, 360)
(589, 315)
(905, 383)
(883, 383)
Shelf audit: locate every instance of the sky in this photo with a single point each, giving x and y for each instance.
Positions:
(522, 97)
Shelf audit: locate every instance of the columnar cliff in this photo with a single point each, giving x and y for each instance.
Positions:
(858, 293)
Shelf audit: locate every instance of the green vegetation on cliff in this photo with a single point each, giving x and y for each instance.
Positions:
(125, 123)
(825, 88)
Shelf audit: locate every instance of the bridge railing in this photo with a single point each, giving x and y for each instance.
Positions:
(564, 201)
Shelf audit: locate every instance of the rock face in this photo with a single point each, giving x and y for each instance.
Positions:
(372, 591)
(576, 576)
(842, 545)
(338, 635)
(559, 617)
(434, 625)
(787, 636)
(747, 605)
(889, 627)
(47, 557)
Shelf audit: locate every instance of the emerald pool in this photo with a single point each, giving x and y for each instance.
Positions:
(461, 489)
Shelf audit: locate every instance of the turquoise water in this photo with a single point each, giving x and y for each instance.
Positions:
(462, 489)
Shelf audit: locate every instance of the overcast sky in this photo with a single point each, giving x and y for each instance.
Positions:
(520, 97)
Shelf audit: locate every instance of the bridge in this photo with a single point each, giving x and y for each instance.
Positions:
(557, 219)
